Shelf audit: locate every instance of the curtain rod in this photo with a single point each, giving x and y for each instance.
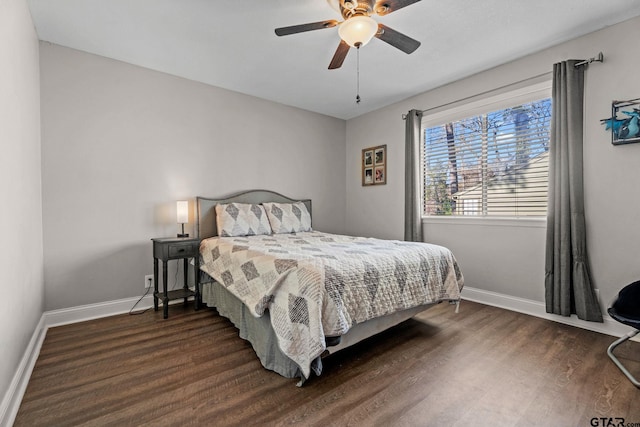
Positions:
(486, 92)
(598, 58)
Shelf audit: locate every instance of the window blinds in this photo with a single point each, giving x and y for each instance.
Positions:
(491, 164)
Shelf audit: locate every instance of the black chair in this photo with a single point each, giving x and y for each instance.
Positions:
(626, 310)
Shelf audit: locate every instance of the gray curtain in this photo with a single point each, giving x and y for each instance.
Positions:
(412, 196)
(568, 287)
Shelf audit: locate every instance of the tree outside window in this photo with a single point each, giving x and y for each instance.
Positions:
(490, 164)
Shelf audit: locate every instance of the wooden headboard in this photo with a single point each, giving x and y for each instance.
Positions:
(206, 208)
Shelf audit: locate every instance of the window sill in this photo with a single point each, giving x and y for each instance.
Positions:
(538, 222)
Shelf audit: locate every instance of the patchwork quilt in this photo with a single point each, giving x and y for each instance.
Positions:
(318, 285)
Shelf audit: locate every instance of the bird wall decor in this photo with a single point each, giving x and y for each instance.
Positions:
(624, 123)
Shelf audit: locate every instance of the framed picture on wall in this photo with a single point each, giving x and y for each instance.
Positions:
(624, 122)
(374, 165)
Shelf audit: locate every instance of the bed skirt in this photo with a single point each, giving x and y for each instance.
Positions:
(258, 330)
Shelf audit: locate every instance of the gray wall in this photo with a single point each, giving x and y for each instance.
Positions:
(122, 143)
(21, 286)
(509, 259)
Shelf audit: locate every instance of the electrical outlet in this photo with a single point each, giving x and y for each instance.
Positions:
(148, 281)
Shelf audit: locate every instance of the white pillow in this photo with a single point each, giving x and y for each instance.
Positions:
(241, 219)
(288, 217)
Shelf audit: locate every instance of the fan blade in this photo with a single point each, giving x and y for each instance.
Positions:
(385, 7)
(338, 57)
(294, 29)
(396, 39)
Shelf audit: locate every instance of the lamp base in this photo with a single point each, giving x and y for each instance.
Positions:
(183, 233)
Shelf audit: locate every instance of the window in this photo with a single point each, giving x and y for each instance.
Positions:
(490, 159)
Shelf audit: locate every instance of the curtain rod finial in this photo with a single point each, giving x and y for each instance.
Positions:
(599, 58)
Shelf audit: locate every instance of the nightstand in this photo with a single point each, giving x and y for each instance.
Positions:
(169, 248)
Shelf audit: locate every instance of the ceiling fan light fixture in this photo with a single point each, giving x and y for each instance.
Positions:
(358, 31)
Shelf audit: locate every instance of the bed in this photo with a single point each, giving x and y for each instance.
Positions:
(298, 294)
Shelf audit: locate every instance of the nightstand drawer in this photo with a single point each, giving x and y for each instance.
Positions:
(175, 248)
(182, 249)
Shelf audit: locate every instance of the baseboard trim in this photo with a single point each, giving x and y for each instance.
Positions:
(83, 313)
(537, 309)
(13, 396)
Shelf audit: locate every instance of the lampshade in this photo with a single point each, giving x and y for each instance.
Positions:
(358, 30)
(183, 211)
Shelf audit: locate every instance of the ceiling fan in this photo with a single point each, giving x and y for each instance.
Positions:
(358, 27)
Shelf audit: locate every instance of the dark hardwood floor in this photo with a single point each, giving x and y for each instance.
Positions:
(481, 367)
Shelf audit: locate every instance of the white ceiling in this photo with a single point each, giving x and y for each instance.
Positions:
(232, 44)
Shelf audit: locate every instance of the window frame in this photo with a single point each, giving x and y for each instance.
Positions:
(491, 101)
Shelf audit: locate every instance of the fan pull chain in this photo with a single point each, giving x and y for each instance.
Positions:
(358, 73)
